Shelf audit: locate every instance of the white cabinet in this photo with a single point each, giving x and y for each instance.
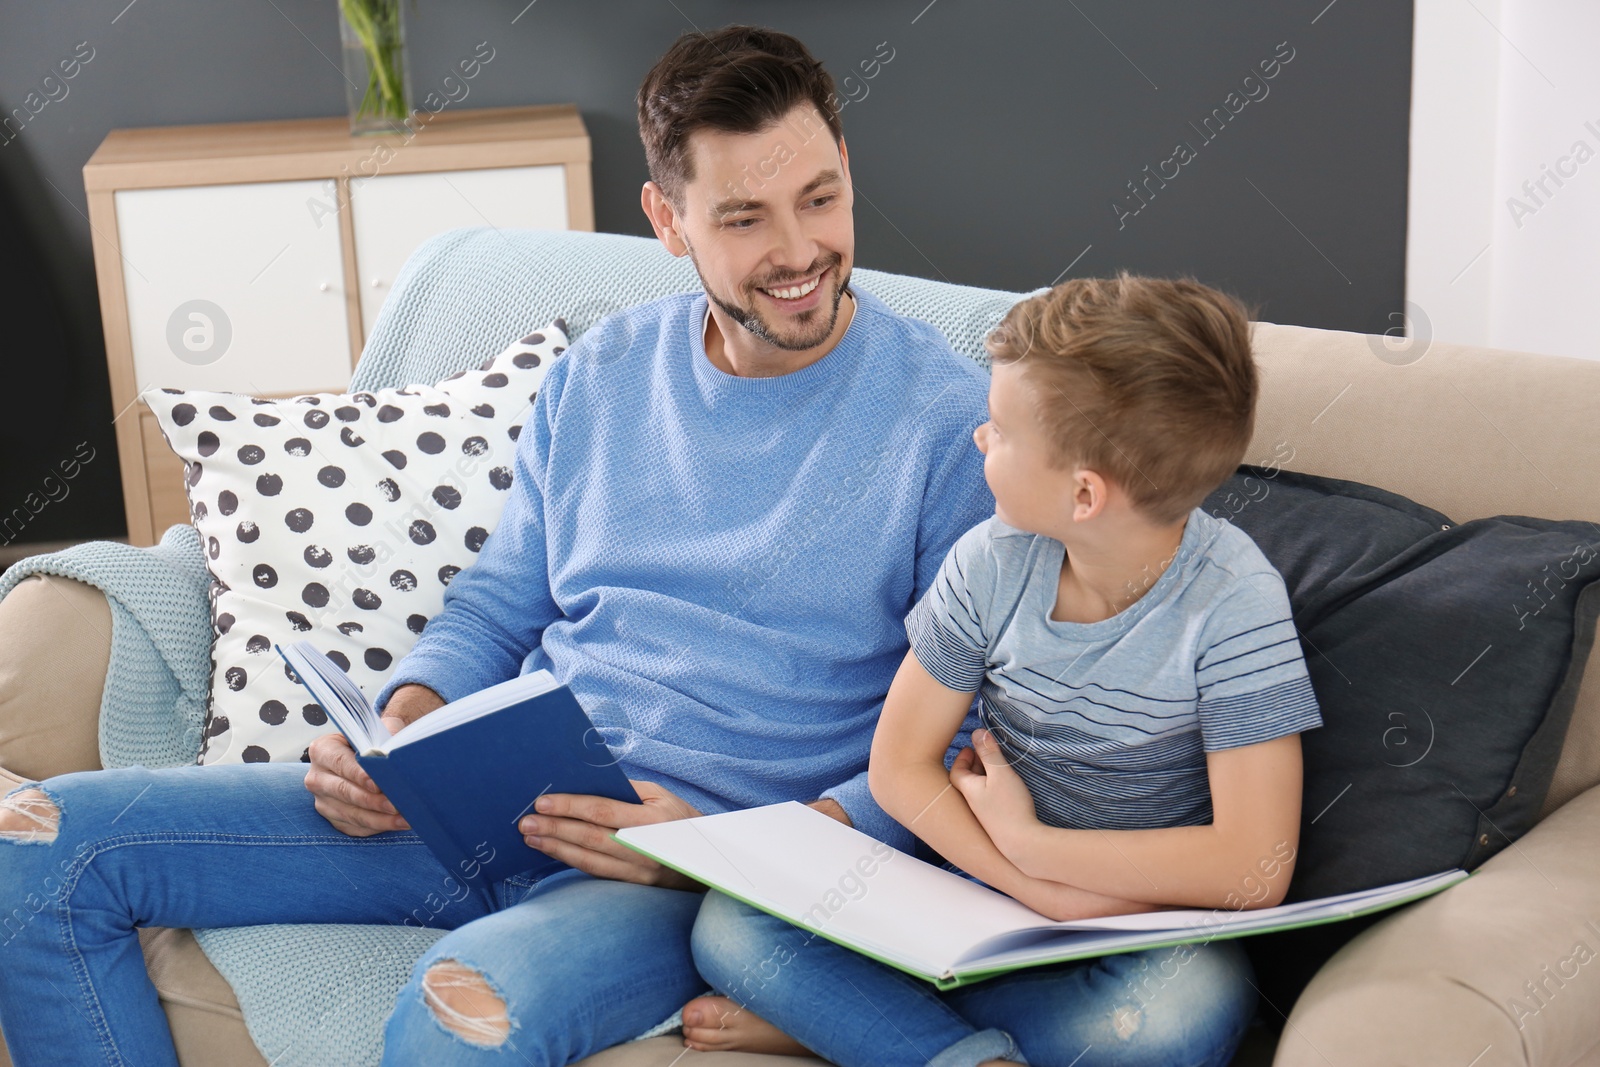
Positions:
(395, 213)
(234, 287)
(254, 257)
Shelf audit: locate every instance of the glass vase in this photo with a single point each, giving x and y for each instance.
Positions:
(377, 86)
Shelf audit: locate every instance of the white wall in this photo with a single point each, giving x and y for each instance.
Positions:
(1506, 92)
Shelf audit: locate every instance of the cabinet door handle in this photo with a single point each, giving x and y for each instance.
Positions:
(323, 286)
(377, 283)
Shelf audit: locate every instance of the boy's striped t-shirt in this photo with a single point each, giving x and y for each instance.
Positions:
(1108, 722)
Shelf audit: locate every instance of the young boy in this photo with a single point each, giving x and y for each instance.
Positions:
(1142, 694)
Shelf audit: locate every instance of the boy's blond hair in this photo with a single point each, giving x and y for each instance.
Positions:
(1147, 381)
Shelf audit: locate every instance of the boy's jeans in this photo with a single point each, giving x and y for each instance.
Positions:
(581, 963)
(1185, 1005)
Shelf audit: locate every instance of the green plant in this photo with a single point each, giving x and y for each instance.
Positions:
(376, 25)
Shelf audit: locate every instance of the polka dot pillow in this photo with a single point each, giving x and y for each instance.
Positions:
(338, 519)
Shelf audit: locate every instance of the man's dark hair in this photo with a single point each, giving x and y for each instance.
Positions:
(739, 79)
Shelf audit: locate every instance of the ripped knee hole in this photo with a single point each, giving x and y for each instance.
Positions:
(29, 815)
(465, 1004)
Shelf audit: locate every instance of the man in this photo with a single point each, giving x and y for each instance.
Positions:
(724, 506)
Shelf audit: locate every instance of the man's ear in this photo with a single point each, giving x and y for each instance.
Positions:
(663, 218)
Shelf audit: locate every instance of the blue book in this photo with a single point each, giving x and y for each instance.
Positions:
(464, 774)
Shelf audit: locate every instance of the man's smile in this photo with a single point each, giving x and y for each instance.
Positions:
(792, 292)
(796, 296)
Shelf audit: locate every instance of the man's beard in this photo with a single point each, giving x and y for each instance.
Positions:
(758, 327)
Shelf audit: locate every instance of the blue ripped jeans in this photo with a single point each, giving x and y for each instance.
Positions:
(1183, 1006)
(580, 963)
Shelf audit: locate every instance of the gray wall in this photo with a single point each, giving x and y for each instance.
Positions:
(989, 151)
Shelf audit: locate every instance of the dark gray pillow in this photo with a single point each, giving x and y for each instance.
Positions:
(1446, 657)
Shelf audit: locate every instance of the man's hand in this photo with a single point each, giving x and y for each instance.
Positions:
(995, 792)
(408, 704)
(576, 829)
(832, 809)
(346, 795)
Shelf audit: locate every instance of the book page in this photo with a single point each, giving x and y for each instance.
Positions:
(1206, 918)
(1122, 933)
(822, 874)
(344, 703)
(472, 706)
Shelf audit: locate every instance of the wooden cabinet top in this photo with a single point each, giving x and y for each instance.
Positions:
(323, 148)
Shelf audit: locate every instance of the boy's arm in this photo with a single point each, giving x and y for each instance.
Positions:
(909, 781)
(1243, 859)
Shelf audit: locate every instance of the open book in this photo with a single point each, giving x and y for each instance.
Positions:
(465, 773)
(796, 863)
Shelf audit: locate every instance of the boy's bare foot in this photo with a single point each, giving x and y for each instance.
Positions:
(717, 1024)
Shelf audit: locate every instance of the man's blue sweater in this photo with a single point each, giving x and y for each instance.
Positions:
(720, 566)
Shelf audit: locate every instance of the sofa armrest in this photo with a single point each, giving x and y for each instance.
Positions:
(55, 644)
(1502, 969)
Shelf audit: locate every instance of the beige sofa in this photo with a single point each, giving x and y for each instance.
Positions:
(1469, 431)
